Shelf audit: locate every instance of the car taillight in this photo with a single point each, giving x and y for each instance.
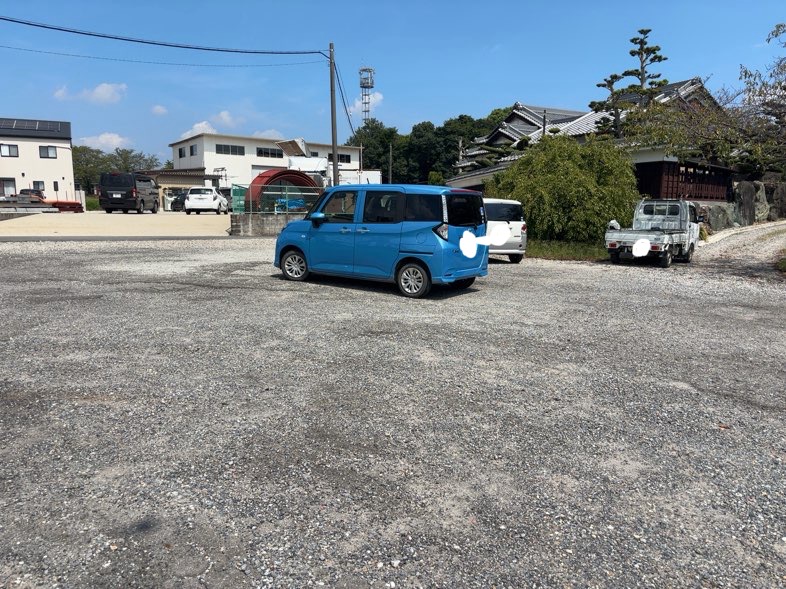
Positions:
(523, 227)
(613, 245)
(442, 231)
(655, 247)
(133, 192)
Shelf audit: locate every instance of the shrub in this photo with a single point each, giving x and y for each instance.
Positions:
(91, 203)
(570, 191)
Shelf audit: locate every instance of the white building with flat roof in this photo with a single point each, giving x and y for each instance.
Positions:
(36, 154)
(239, 159)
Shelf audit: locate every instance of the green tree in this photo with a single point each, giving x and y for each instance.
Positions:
(88, 165)
(570, 191)
(129, 160)
(637, 95)
(376, 140)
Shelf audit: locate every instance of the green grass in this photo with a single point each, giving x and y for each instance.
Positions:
(91, 203)
(566, 250)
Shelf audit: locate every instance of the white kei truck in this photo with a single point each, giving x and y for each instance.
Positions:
(663, 229)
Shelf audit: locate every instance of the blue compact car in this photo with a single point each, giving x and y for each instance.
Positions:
(407, 234)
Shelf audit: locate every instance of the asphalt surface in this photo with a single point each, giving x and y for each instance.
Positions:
(174, 414)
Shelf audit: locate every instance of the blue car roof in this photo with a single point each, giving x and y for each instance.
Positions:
(419, 188)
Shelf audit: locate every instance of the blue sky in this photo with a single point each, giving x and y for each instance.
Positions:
(433, 60)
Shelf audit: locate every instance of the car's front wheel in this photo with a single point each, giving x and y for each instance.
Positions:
(188, 212)
(294, 266)
(413, 280)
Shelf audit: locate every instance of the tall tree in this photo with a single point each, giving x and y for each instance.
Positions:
(636, 95)
(129, 160)
(88, 165)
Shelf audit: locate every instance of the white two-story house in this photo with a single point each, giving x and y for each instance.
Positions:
(239, 159)
(36, 154)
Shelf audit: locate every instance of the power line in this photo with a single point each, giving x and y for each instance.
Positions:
(157, 62)
(158, 43)
(344, 99)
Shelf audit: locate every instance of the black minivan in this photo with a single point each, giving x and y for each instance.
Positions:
(127, 191)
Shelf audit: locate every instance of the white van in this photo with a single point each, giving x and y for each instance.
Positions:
(510, 214)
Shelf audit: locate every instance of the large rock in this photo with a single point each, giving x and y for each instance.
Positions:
(719, 216)
(745, 203)
(776, 195)
(760, 205)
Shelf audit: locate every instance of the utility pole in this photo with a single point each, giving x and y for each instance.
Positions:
(334, 133)
(390, 164)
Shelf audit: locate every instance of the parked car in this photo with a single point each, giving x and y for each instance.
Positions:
(406, 234)
(205, 198)
(510, 214)
(662, 229)
(31, 195)
(178, 203)
(127, 191)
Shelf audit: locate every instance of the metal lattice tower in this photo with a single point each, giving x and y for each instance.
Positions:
(366, 84)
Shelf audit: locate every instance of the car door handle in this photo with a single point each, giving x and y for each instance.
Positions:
(363, 230)
(345, 230)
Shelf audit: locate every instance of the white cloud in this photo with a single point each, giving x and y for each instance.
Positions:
(200, 127)
(269, 134)
(105, 141)
(159, 110)
(225, 119)
(375, 99)
(104, 93)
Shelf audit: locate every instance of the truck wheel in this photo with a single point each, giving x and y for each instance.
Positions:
(665, 259)
(689, 256)
(615, 257)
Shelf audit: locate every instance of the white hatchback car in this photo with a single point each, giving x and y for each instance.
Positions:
(205, 198)
(510, 214)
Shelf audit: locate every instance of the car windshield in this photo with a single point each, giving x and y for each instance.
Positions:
(504, 211)
(465, 210)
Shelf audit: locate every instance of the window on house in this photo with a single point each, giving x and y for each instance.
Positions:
(38, 185)
(343, 158)
(230, 149)
(7, 150)
(181, 152)
(269, 152)
(314, 154)
(192, 150)
(47, 151)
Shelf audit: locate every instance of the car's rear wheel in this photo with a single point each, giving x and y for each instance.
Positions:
(140, 208)
(218, 210)
(109, 210)
(155, 207)
(188, 212)
(615, 257)
(413, 280)
(516, 258)
(197, 212)
(665, 259)
(125, 210)
(294, 266)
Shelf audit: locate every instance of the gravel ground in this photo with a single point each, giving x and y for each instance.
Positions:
(174, 414)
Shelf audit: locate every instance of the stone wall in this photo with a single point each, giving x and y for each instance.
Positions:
(260, 224)
(753, 202)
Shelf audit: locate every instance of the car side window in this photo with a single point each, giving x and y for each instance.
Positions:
(340, 207)
(423, 207)
(383, 207)
(693, 217)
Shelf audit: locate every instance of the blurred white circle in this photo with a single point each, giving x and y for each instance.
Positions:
(641, 248)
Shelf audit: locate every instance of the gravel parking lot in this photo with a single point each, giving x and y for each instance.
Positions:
(174, 414)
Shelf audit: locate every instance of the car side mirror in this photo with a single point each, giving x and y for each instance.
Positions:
(317, 219)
